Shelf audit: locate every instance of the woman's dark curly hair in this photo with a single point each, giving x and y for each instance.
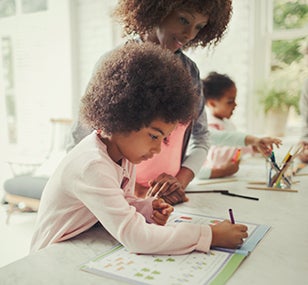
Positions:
(133, 86)
(141, 16)
(215, 84)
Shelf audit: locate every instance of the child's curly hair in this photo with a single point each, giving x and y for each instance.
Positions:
(215, 84)
(133, 86)
(140, 17)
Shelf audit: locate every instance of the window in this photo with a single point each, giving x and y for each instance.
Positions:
(7, 8)
(285, 33)
(289, 38)
(289, 31)
(32, 6)
(8, 80)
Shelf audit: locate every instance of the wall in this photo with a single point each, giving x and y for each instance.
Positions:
(95, 33)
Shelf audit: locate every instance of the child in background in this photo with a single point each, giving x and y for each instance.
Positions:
(175, 25)
(220, 98)
(134, 100)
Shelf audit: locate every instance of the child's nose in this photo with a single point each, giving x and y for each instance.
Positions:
(156, 148)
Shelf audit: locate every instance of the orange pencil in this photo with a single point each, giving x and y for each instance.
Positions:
(236, 156)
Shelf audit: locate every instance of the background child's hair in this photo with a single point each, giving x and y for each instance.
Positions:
(215, 84)
(140, 17)
(136, 84)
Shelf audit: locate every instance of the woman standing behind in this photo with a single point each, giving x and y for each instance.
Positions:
(175, 25)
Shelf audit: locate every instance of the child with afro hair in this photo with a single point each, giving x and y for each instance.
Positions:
(134, 100)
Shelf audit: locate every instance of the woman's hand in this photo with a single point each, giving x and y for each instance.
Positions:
(169, 188)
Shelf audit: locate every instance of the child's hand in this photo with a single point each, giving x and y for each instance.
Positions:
(229, 168)
(161, 211)
(265, 145)
(225, 234)
(168, 188)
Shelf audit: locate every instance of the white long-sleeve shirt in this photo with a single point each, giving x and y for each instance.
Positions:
(86, 188)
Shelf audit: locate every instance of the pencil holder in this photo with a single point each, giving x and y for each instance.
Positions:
(276, 178)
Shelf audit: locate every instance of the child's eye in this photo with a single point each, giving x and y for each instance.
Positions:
(231, 102)
(153, 137)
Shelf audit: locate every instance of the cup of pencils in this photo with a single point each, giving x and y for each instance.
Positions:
(286, 180)
(280, 175)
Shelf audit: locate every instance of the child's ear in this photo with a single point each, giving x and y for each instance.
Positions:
(211, 103)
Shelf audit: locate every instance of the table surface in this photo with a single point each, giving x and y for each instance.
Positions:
(281, 257)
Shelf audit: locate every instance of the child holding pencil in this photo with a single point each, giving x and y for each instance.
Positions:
(176, 26)
(220, 93)
(134, 100)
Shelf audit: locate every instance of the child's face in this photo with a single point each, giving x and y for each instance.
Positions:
(223, 108)
(141, 145)
(179, 28)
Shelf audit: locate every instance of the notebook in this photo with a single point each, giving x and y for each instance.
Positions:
(212, 268)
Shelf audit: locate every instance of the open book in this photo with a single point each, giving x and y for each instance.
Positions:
(212, 268)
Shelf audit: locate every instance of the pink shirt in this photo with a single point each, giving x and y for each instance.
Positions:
(86, 188)
(169, 158)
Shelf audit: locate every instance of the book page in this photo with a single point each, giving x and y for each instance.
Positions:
(214, 267)
(194, 268)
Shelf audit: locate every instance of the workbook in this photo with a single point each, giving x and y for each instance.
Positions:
(214, 267)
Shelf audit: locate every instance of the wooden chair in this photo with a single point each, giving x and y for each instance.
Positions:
(23, 191)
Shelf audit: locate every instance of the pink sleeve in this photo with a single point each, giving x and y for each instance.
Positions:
(143, 206)
(108, 203)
